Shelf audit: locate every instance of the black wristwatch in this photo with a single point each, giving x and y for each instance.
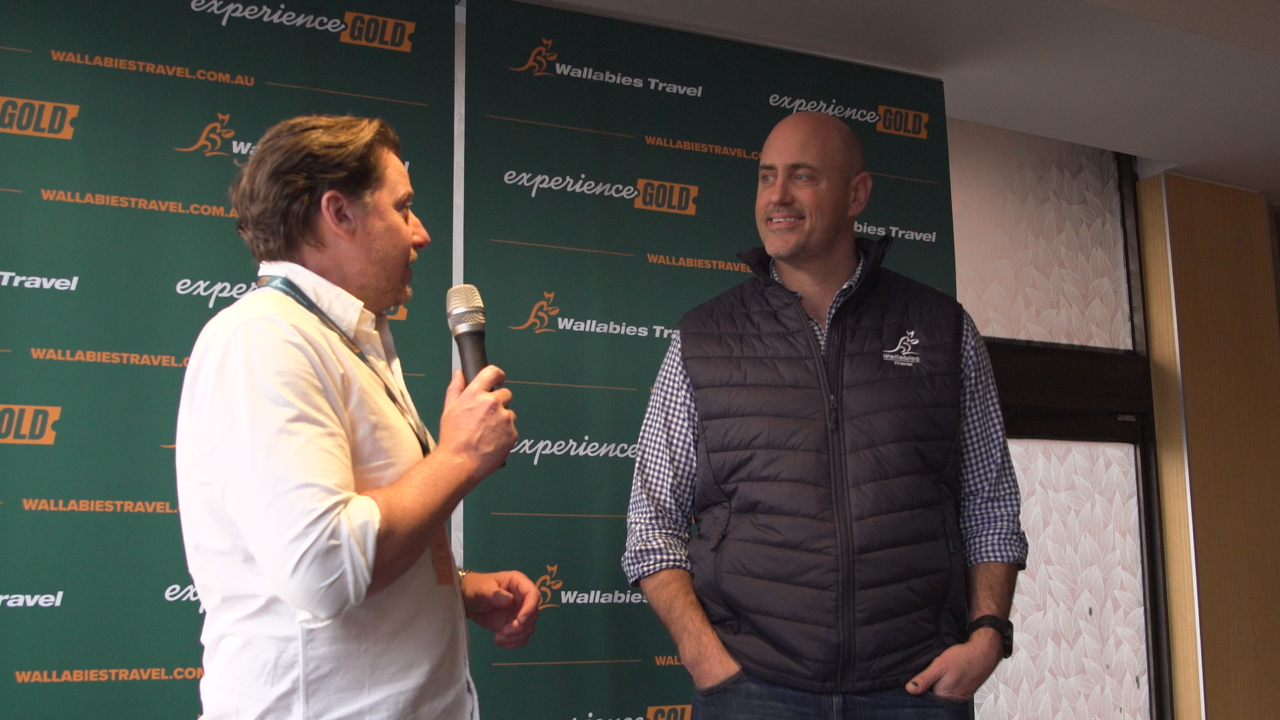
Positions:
(1002, 626)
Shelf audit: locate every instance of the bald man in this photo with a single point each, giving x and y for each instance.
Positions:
(833, 429)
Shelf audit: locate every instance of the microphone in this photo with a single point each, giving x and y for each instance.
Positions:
(465, 312)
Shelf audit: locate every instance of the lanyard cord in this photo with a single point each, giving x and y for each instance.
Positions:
(287, 286)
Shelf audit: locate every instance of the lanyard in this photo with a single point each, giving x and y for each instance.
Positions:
(287, 286)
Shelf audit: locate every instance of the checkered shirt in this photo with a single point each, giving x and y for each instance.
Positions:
(666, 466)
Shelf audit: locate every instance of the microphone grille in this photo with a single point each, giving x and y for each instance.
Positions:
(463, 306)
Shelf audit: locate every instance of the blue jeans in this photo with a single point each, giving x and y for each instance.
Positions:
(743, 697)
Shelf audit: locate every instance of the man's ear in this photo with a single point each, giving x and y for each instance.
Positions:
(337, 214)
(859, 193)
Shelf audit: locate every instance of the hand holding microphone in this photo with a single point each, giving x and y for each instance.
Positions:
(482, 407)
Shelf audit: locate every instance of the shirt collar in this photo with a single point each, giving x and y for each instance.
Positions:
(849, 285)
(344, 309)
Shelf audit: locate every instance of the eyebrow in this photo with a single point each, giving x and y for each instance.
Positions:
(792, 166)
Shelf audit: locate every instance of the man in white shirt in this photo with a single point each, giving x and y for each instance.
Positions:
(314, 526)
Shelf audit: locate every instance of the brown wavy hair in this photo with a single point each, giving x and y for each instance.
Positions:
(277, 193)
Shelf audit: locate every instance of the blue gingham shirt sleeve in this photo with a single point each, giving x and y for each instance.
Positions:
(666, 468)
(989, 499)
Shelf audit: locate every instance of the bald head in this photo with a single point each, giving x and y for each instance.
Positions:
(833, 137)
(810, 191)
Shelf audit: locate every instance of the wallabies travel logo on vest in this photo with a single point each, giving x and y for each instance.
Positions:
(908, 123)
(540, 315)
(378, 32)
(28, 424)
(37, 118)
(538, 59)
(904, 353)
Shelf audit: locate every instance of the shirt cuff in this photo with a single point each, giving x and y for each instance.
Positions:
(363, 517)
(641, 561)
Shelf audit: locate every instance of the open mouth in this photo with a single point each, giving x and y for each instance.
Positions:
(783, 220)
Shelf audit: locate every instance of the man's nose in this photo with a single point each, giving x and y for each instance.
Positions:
(780, 193)
(421, 238)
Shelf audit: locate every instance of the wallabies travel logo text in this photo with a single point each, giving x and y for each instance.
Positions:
(538, 59)
(37, 118)
(542, 60)
(546, 584)
(210, 140)
(212, 136)
(540, 315)
(542, 312)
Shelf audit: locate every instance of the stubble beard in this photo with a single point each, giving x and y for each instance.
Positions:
(780, 247)
(784, 242)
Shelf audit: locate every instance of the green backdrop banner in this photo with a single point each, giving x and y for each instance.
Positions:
(120, 128)
(610, 178)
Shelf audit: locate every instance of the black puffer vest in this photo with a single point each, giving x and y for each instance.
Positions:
(828, 554)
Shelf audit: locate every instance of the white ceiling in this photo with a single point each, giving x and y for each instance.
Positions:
(1188, 84)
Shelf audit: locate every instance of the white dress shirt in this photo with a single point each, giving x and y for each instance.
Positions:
(279, 427)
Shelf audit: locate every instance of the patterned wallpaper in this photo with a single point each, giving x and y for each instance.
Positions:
(1080, 642)
(1040, 256)
(1039, 245)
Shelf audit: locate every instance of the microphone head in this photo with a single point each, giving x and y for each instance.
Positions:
(464, 309)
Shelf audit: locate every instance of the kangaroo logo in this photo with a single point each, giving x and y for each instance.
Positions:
(212, 136)
(540, 315)
(538, 59)
(904, 353)
(546, 584)
(907, 342)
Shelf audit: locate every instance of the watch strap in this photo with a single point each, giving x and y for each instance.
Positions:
(1000, 625)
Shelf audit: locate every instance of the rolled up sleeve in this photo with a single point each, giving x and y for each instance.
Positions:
(666, 470)
(990, 503)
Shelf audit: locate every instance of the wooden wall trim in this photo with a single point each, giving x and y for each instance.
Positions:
(1171, 453)
(1229, 359)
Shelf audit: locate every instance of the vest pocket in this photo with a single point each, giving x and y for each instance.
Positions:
(704, 559)
(952, 618)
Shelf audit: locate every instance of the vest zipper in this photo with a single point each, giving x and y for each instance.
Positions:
(830, 374)
(840, 495)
